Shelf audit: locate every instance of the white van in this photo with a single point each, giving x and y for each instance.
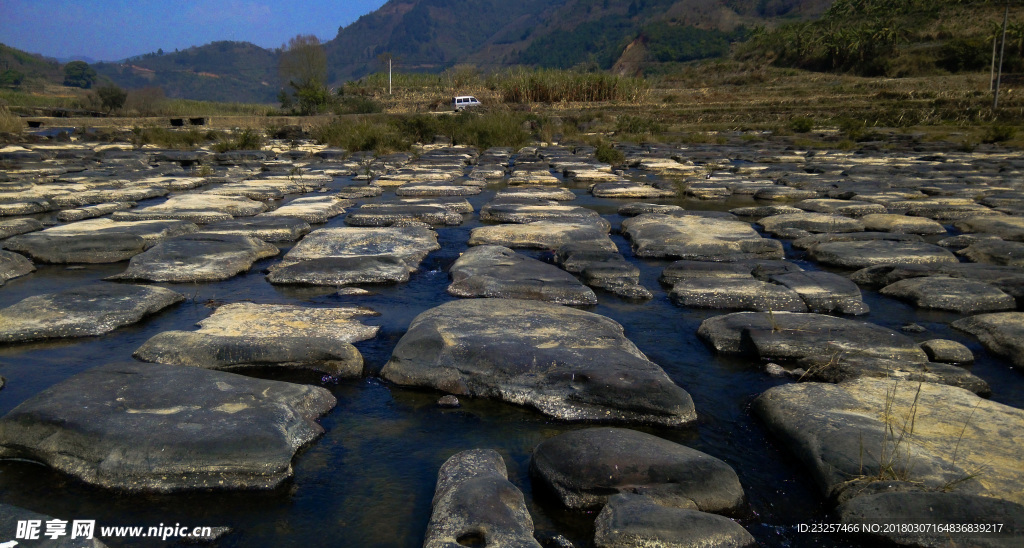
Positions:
(463, 102)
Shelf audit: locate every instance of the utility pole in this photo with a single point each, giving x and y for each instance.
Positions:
(389, 73)
(992, 75)
(1002, 52)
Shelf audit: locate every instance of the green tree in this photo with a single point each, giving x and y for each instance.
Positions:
(303, 66)
(111, 97)
(11, 77)
(78, 74)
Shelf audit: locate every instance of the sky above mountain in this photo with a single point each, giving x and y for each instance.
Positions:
(110, 30)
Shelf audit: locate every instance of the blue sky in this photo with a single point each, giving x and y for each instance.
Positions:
(109, 30)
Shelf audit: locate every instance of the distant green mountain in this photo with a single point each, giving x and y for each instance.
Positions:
(629, 36)
(19, 67)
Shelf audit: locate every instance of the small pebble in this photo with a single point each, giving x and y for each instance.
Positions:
(913, 328)
(449, 401)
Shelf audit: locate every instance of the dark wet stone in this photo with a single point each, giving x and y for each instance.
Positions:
(93, 211)
(449, 402)
(1007, 278)
(244, 335)
(96, 240)
(781, 193)
(1002, 333)
(824, 292)
(146, 427)
(511, 212)
(810, 222)
(852, 434)
(585, 467)
(10, 516)
(946, 351)
(630, 521)
(954, 294)
(564, 362)
(268, 229)
(197, 257)
(82, 312)
(387, 214)
(475, 505)
(785, 335)
(240, 157)
(13, 266)
(496, 271)
(13, 227)
(874, 252)
(736, 293)
(343, 256)
(698, 238)
(764, 211)
(915, 508)
(995, 252)
(845, 366)
(541, 234)
(902, 224)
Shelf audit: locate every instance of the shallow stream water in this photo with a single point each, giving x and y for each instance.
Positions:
(370, 479)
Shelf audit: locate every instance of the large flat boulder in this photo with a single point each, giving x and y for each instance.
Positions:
(891, 222)
(785, 335)
(387, 214)
(585, 467)
(13, 266)
(197, 258)
(517, 212)
(1006, 227)
(564, 362)
(697, 238)
(630, 521)
(540, 235)
(143, 427)
(917, 436)
(13, 227)
(862, 254)
(496, 271)
(811, 222)
(202, 208)
(82, 312)
(96, 240)
(996, 252)
(631, 190)
(268, 229)
(824, 292)
(312, 209)
(736, 293)
(953, 294)
(1002, 333)
(475, 505)
(351, 255)
(243, 335)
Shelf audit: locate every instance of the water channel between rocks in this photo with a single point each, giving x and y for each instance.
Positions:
(370, 479)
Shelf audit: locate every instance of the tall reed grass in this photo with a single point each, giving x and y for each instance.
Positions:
(10, 123)
(522, 85)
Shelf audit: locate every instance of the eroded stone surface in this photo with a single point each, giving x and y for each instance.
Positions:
(854, 254)
(1002, 333)
(496, 271)
(954, 294)
(564, 362)
(698, 238)
(475, 504)
(540, 235)
(146, 427)
(13, 266)
(242, 335)
(96, 240)
(629, 521)
(197, 257)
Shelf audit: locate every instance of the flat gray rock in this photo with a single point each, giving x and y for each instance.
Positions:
(566, 363)
(824, 292)
(268, 229)
(811, 222)
(13, 266)
(874, 252)
(630, 189)
(846, 366)
(143, 427)
(736, 293)
(995, 252)
(96, 240)
(513, 212)
(891, 222)
(946, 351)
(351, 255)
(697, 238)
(810, 241)
(629, 521)
(1002, 333)
(850, 208)
(954, 294)
(243, 335)
(475, 505)
(785, 335)
(197, 258)
(541, 235)
(585, 467)
(930, 436)
(916, 507)
(13, 227)
(312, 209)
(82, 312)
(387, 214)
(496, 271)
(1006, 227)
(199, 208)
(1009, 279)
(93, 211)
